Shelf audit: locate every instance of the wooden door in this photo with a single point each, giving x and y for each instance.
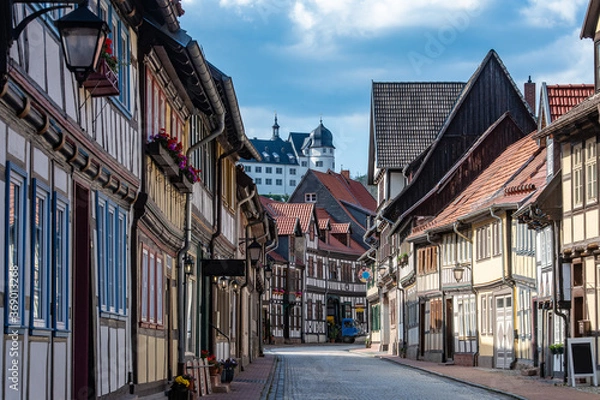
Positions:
(83, 382)
(503, 347)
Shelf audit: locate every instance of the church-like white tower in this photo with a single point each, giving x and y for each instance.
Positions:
(284, 162)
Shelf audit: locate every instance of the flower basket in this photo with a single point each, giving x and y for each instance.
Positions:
(182, 183)
(181, 388)
(215, 370)
(103, 82)
(162, 158)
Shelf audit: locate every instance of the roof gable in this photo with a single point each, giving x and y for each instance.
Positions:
(518, 173)
(488, 95)
(557, 100)
(406, 117)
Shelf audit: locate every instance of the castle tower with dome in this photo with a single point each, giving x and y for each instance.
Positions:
(284, 162)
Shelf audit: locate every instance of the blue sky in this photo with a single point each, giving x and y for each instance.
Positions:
(307, 59)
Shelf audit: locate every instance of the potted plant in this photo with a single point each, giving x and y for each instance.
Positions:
(557, 348)
(181, 388)
(334, 331)
(403, 258)
(228, 369)
(104, 81)
(215, 367)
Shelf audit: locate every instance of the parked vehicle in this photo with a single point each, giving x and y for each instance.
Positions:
(350, 330)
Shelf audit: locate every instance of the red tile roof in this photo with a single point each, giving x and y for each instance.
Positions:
(340, 227)
(302, 211)
(286, 225)
(516, 176)
(561, 98)
(347, 190)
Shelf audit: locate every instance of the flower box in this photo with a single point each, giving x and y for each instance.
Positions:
(104, 82)
(183, 184)
(161, 156)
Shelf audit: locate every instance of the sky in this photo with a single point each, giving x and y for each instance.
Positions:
(308, 60)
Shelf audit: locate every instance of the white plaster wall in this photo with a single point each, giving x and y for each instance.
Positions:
(41, 164)
(38, 369)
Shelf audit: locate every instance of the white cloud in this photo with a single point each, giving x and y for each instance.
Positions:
(546, 13)
(566, 60)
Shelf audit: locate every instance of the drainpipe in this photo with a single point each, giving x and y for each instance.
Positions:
(559, 278)
(439, 262)
(242, 286)
(218, 130)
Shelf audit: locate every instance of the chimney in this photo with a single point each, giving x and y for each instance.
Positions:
(345, 173)
(530, 94)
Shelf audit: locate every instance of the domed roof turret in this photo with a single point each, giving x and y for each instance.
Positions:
(321, 136)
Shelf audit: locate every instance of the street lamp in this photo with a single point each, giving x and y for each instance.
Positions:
(223, 282)
(254, 250)
(82, 36)
(188, 265)
(268, 272)
(235, 285)
(458, 271)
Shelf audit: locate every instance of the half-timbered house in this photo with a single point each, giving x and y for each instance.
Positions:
(70, 175)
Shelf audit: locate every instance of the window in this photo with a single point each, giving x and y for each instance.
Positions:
(496, 239)
(591, 172)
(16, 197)
(309, 310)
(120, 47)
(279, 171)
(152, 287)
(268, 170)
(482, 236)
(40, 264)
(304, 164)
(258, 169)
(577, 176)
(278, 182)
(60, 261)
(258, 181)
(319, 164)
(310, 197)
(268, 181)
(292, 171)
(427, 260)
(248, 168)
(597, 65)
(112, 247)
(292, 182)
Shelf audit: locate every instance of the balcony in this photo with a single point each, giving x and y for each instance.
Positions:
(102, 83)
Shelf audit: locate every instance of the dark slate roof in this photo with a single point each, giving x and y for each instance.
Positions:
(297, 139)
(407, 116)
(274, 151)
(319, 137)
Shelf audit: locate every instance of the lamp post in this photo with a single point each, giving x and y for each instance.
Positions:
(82, 36)
(254, 250)
(459, 270)
(188, 265)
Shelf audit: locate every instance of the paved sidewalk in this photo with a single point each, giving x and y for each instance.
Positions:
(254, 382)
(503, 381)
(250, 383)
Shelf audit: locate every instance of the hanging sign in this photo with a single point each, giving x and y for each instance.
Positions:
(364, 275)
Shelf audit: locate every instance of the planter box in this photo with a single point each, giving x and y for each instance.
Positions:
(103, 82)
(163, 159)
(183, 184)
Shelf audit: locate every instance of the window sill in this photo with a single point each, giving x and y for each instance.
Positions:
(112, 315)
(46, 332)
(150, 325)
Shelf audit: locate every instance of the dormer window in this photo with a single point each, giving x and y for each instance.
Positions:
(266, 156)
(276, 157)
(291, 158)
